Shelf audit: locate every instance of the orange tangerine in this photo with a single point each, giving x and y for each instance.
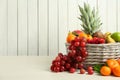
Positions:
(116, 71)
(112, 63)
(83, 35)
(105, 70)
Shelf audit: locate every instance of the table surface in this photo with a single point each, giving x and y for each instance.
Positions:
(37, 68)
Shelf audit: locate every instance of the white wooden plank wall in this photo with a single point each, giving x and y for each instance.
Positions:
(40, 27)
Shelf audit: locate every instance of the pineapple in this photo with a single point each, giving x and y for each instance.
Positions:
(91, 22)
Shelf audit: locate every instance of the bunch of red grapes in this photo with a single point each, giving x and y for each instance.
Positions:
(74, 59)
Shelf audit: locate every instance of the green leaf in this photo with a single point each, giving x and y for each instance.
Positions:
(97, 67)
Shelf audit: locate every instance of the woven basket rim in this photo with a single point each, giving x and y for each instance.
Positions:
(106, 44)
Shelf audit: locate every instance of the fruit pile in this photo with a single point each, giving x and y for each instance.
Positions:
(111, 67)
(77, 41)
(69, 63)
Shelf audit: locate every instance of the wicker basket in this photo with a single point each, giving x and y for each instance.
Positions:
(99, 53)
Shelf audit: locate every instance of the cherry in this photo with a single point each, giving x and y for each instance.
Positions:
(79, 58)
(90, 72)
(58, 58)
(101, 40)
(57, 63)
(82, 71)
(76, 65)
(62, 68)
(77, 39)
(62, 62)
(83, 44)
(57, 69)
(72, 70)
(67, 65)
(80, 65)
(77, 44)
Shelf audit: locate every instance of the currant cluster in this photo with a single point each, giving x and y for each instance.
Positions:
(77, 53)
(96, 40)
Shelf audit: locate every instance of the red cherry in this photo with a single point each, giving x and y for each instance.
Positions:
(80, 65)
(52, 68)
(101, 41)
(77, 39)
(60, 55)
(71, 47)
(57, 63)
(62, 68)
(76, 65)
(77, 44)
(79, 58)
(90, 72)
(82, 71)
(58, 58)
(72, 70)
(57, 69)
(65, 57)
(83, 49)
(62, 62)
(90, 68)
(84, 54)
(67, 65)
(83, 44)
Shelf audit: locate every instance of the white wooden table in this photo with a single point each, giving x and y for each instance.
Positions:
(37, 68)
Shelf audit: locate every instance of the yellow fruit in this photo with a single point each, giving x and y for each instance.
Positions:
(109, 39)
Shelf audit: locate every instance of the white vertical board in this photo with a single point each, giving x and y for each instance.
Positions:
(22, 27)
(72, 15)
(43, 27)
(62, 25)
(3, 27)
(93, 3)
(12, 27)
(118, 18)
(103, 14)
(80, 3)
(53, 27)
(111, 15)
(32, 28)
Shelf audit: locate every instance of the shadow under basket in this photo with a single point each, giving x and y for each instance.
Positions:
(99, 53)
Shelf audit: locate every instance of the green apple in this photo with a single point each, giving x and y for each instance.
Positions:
(116, 36)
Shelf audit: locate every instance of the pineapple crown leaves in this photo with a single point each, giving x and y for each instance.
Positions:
(90, 20)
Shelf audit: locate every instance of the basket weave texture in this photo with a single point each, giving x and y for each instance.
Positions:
(99, 53)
